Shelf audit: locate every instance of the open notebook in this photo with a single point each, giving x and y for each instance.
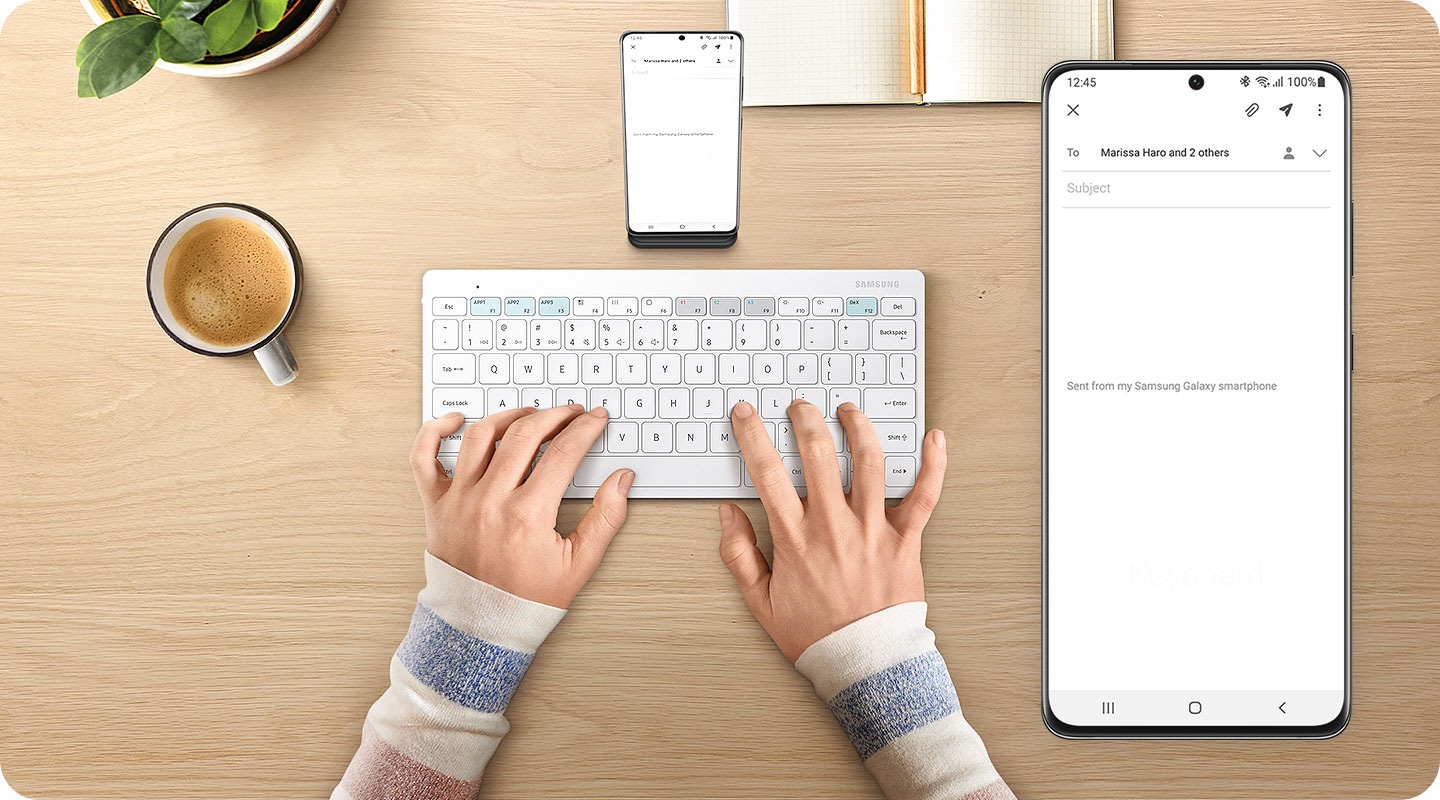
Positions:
(810, 52)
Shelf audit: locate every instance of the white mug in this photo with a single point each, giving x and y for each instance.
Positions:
(270, 349)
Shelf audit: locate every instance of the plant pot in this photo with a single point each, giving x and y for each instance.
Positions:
(304, 25)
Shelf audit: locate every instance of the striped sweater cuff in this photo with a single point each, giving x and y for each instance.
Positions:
(891, 692)
(432, 732)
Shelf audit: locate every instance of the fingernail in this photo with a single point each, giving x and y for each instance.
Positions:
(743, 410)
(577, 406)
(626, 478)
(600, 412)
(726, 514)
(940, 438)
(848, 406)
(798, 401)
(456, 414)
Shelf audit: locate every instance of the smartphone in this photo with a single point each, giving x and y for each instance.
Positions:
(681, 124)
(1197, 354)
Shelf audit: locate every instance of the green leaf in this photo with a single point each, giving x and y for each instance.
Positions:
(269, 13)
(116, 54)
(181, 41)
(231, 27)
(185, 9)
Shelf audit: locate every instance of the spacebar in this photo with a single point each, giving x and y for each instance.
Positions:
(663, 471)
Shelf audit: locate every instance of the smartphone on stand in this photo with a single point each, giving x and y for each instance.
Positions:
(681, 122)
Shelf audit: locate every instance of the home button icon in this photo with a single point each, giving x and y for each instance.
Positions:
(1194, 706)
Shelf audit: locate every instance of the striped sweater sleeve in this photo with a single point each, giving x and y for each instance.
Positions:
(432, 732)
(890, 690)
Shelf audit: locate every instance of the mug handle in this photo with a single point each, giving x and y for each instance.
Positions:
(277, 361)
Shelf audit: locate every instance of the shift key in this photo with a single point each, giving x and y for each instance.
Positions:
(889, 403)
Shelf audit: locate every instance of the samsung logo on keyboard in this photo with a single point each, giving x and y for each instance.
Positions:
(877, 284)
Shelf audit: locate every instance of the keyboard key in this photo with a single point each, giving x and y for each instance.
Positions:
(452, 368)
(597, 368)
(470, 402)
(477, 334)
(448, 462)
(608, 399)
(580, 334)
(510, 335)
(588, 307)
(690, 437)
(519, 306)
(448, 306)
(529, 369)
(861, 307)
(794, 307)
(854, 334)
(717, 334)
(545, 334)
(690, 307)
(710, 404)
(819, 334)
(630, 369)
(570, 396)
(554, 306)
(768, 369)
(736, 396)
(639, 403)
(451, 443)
(614, 334)
(665, 369)
(759, 306)
(897, 437)
(836, 368)
(722, 439)
(750, 334)
(870, 369)
(657, 437)
(649, 334)
(700, 369)
(562, 369)
(893, 334)
(684, 334)
(839, 397)
(785, 334)
(802, 368)
(734, 369)
(725, 306)
(814, 395)
(537, 397)
(674, 404)
(774, 402)
(656, 306)
(827, 307)
(900, 471)
(889, 403)
(794, 469)
(445, 334)
(484, 306)
(674, 472)
(502, 399)
(902, 368)
(620, 437)
(623, 306)
(897, 306)
(495, 368)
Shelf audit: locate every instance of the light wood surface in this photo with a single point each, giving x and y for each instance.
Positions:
(202, 577)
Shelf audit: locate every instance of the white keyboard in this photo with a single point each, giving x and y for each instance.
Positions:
(669, 352)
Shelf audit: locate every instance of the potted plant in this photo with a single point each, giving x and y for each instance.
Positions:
(213, 38)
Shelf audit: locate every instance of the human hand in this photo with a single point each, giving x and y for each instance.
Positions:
(496, 525)
(836, 558)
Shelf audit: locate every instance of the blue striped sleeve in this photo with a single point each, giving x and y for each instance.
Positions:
(460, 666)
(881, 708)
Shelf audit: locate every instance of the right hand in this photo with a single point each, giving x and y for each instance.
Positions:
(837, 558)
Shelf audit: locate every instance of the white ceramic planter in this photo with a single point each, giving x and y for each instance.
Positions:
(303, 38)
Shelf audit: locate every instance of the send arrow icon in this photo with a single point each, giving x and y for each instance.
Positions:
(1286, 108)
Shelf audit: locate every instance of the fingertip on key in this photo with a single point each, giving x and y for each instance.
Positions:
(743, 410)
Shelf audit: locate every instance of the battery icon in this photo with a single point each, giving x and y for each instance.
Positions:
(1321, 82)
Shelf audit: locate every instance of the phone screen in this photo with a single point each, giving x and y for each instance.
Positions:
(682, 131)
(1196, 383)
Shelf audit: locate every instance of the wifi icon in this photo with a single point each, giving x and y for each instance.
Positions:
(1263, 81)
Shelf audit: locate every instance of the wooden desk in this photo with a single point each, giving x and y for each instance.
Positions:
(203, 577)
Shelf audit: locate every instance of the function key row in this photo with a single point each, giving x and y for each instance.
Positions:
(677, 307)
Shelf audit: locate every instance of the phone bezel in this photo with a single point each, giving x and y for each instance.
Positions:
(1056, 725)
(687, 238)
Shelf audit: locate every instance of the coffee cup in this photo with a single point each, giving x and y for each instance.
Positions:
(224, 280)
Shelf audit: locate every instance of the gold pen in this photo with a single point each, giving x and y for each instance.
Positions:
(917, 46)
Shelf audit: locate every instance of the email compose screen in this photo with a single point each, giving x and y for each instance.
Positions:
(682, 131)
(1196, 390)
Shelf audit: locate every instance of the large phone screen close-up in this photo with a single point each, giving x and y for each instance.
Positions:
(682, 131)
(1196, 389)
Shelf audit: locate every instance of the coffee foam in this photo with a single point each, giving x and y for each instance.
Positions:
(227, 282)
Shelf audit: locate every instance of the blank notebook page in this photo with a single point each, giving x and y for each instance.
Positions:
(980, 51)
(808, 52)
